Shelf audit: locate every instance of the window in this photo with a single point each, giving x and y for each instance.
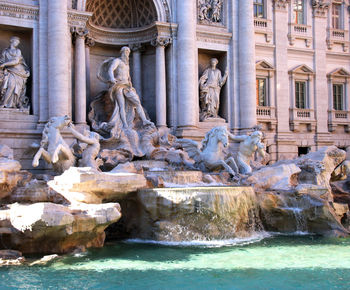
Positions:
(298, 12)
(336, 16)
(259, 9)
(261, 96)
(300, 95)
(338, 97)
(303, 151)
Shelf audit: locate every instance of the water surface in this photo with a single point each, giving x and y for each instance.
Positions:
(282, 262)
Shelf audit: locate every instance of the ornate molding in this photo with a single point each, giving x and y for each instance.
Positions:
(320, 8)
(210, 12)
(78, 32)
(161, 41)
(281, 4)
(89, 41)
(219, 36)
(19, 11)
(137, 47)
(133, 35)
(78, 18)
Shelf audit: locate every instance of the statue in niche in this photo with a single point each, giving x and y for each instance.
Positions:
(117, 114)
(249, 144)
(14, 73)
(210, 84)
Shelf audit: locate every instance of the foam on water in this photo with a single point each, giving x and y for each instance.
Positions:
(206, 244)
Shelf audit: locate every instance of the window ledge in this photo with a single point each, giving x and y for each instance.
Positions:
(264, 26)
(265, 114)
(337, 36)
(300, 31)
(302, 116)
(338, 118)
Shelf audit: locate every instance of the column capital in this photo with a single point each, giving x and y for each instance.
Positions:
(281, 4)
(79, 32)
(137, 47)
(89, 41)
(161, 41)
(320, 8)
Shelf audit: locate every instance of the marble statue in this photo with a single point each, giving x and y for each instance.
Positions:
(116, 72)
(211, 155)
(217, 7)
(117, 114)
(210, 11)
(204, 7)
(14, 73)
(53, 148)
(249, 144)
(90, 152)
(210, 84)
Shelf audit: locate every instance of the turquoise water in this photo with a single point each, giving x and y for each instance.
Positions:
(304, 262)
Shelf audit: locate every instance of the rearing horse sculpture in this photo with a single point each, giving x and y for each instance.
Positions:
(53, 148)
(211, 154)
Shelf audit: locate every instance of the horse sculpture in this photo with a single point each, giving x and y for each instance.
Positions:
(211, 154)
(53, 148)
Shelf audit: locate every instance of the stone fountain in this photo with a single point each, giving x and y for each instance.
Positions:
(139, 181)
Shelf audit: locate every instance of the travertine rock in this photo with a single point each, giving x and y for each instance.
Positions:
(53, 228)
(281, 176)
(90, 186)
(289, 212)
(11, 176)
(197, 213)
(11, 258)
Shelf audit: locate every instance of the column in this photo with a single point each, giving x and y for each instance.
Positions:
(322, 91)
(284, 138)
(79, 75)
(160, 44)
(247, 77)
(187, 71)
(89, 42)
(58, 54)
(136, 67)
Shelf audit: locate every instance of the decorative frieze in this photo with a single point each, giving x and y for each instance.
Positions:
(210, 11)
(19, 11)
(78, 18)
(161, 41)
(320, 8)
(281, 4)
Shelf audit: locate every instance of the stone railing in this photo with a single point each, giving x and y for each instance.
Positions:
(337, 36)
(302, 116)
(300, 31)
(267, 115)
(338, 118)
(263, 26)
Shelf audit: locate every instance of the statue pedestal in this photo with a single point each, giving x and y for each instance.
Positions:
(198, 133)
(17, 119)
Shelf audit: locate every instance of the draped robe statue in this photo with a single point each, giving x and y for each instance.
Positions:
(14, 73)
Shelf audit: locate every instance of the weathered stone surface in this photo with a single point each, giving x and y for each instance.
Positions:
(198, 213)
(6, 152)
(11, 258)
(90, 186)
(171, 178)
(289, 212)
(53, 228)
(317, 167)
(11, 176)
(35, 191)
(45, 260)
(280, 176)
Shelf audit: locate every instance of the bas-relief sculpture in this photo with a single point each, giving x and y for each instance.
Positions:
(14, 73)
(210, 84)
(210, 11)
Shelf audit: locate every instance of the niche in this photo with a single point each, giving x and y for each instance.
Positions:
(204, 57)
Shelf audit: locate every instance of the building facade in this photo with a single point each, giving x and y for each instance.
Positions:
(288, 65)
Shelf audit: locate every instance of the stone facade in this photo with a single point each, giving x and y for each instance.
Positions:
(288, 66)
